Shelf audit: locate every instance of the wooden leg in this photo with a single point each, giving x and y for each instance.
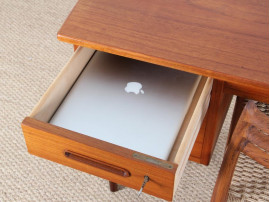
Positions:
(238, 108)
(212, 124)
(113, 186)
(251, 137)
(220, 193)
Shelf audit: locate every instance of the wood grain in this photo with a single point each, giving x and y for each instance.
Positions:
(258, 138)
(225, 39)
(50, 142)
(103, 159)
(227, 167)
(251, 132)
(218, 107)
(256, 154)
(242, 90)
(240, 103)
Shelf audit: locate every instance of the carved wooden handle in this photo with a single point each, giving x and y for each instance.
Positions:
(98, 164)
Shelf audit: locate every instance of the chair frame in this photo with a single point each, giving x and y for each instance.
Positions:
(250, 136)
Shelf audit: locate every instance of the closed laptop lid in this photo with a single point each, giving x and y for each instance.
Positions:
(129, 103)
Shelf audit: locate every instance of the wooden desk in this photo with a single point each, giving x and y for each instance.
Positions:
(226, 40)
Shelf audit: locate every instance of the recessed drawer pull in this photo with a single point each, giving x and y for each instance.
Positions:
(97, 164)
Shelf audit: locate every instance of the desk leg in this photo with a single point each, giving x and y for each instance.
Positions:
(212, 124)
(113, 186)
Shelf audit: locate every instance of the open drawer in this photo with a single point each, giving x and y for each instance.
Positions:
(117, 164)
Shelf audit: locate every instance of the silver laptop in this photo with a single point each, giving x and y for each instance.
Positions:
(129, 103)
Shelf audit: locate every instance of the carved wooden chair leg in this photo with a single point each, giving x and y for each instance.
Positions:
(251, 137)
(113, 186)
(238, 108)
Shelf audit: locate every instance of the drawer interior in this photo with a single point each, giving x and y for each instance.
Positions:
(100, 103)
(62, 85)
(186, 137)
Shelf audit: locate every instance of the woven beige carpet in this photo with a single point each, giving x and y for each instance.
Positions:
(30, 58)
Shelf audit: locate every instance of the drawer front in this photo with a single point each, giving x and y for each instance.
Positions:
(99, 158)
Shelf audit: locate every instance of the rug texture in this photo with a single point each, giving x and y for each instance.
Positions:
(30, 59)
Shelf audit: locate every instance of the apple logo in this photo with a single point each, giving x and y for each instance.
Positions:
(134, 87)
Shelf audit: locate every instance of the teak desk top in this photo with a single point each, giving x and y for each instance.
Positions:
(223, 39)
